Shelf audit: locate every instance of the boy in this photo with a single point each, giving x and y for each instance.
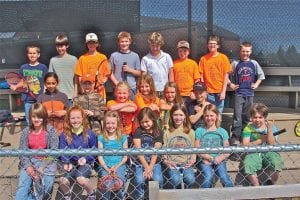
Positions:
(185, 70)
(94, 63)
(196, 106)
(214, 68)
(125, 64)
(63, 65)
(158, 63)
(92, 103)
(244, 83)
(34, 72)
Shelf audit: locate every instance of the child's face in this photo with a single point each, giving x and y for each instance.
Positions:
(122, 94)
(76, 118)
(245, 53)
(87, 86)
(33, 55)
(258, 120)
(200, 96)
(210, 118)
(154, 49)
(170, 94)
(92, 46)
(178, 117)
(36, 121)
(61, 49)
(183, 53)
(124, 44)
(145, 88)
(146, 123)
(212, 46)
(111, 124)
(51, 84)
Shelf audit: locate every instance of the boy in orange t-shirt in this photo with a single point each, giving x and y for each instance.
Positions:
(214, 68)
(185, 70)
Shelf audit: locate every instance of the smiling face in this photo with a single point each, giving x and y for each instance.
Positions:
(122, 94)
(147, 124)
(111, 124)
(76, 119)
(213, 46)
(37, 122)
(145, 88)
(61, 49)
(178, 117)
(170, 94)
(51, 84)
(258, 120)
(124, 44)
(183, 53)
(92, 46)
(33, 55)
(210, 118)
(154, 49)
(245, 53)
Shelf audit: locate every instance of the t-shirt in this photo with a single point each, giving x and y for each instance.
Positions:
(142, 102)
(254, 133)
(186, 72)
(90, 64)
(214, 69)
(244, 74)
(158, 68)
(37, 141)
(35, 76)
(116, 62)
(64, 68)
(112, 144)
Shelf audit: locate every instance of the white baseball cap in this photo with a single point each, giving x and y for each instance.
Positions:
(91, 37)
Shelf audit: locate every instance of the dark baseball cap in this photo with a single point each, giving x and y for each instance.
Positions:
(199, 86)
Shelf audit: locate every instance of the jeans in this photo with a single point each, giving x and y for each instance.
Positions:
(25, 181)
(107, 195)
(132, 93)
(214, 98)
(208, 174)
(27, 107)
(139, 180)
(175, 177)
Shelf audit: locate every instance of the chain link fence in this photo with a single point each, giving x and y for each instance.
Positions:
(287, 165)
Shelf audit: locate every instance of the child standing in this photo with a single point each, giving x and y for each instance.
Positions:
(186, 71)
(36, 136)
(260, 132)
(77, 135)
(247, 76)
(148, 135)
(213, 162)
(55, 102)
(93, 62)
(157, 63)
(125, 64)
(214, 68)
(63, 65)
(112, 138)
(179, 125)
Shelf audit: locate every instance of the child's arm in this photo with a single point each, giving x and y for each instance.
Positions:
(125, 146)
(256, 84)
(206, 157)
(76, 83)
(100, 158)
(225, 83)
(270, 136)
(163, 105)
(113, 79)
(137, 144)
(171, 75)
(153, 160)
(132, 71)
(217, 160)
(123, 107)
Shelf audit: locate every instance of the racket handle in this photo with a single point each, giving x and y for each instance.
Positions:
(279, 132)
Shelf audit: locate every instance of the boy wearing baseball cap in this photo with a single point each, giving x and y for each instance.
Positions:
(185, 70)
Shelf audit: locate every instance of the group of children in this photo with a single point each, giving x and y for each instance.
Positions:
(156, 97)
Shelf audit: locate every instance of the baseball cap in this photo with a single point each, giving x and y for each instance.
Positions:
(199, 86)
(91, 37)
(87, 77)
(183, 44)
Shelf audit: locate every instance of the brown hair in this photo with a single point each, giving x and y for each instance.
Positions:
(214, 38)
(156, 38)
(124, 34)
(61, 39)
(38, 110)
(149, 80)
(259, 108)
(178, 98)
(187, 126)
(146, 111)
(212, 108)
(246, 44)
(113, 114)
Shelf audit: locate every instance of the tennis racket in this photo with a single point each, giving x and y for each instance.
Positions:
(279, 132)
(19, 84)
(110, 182)
(297, 129)
(163, 120)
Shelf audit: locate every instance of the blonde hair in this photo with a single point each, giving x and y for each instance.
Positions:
(38, 110)
(178, 98)
(187, 126)
(156, 38)
(112, 114)
(213, 108)
(124, 34)
(122, 84)
(149, 80)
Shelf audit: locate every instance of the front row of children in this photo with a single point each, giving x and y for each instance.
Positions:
(77, 134)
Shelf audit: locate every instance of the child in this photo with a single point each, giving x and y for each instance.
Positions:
(247, 76)
(214, 68)
(93, 62)
(63, 65)
(93, 103)
(179, 125)
(157, 63)
(213, 162)
(77, 135)
(33, 71)
(125, 107)
(195, 106)
(36, 136)
(112, 138)
(55, 102)
(186, 71)
(260, 132)
(171, 96)
(125, 64)
(148, 135)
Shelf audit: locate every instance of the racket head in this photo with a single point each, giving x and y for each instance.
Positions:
(52, 167)
(14, 79)
(297, 129)
(110, 182)
(178, 142)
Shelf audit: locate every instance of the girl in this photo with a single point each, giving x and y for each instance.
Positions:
(77, 135)
(112, 138)
(148, 135)
(54, 101)
(259, 132)
(179, 125)
(171, 96)
(37, 136)
(210, 162)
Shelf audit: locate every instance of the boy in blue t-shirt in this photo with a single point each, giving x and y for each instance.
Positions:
(247, 76)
